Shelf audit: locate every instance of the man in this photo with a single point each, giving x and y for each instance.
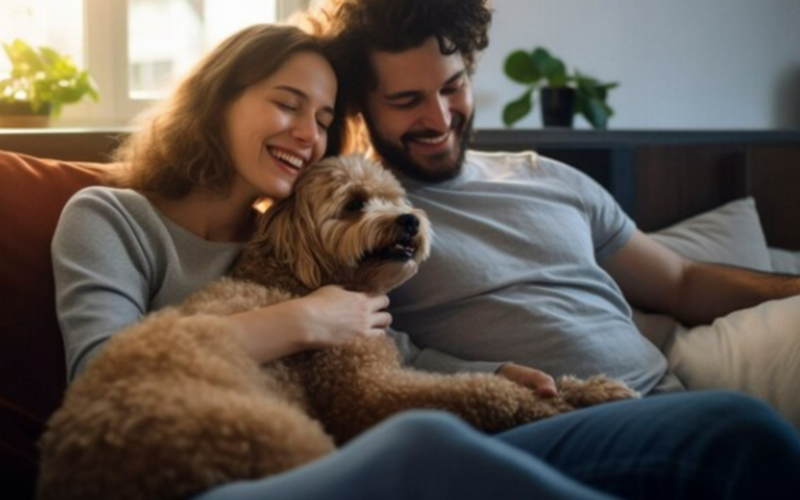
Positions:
(685, 445)
(534, 264)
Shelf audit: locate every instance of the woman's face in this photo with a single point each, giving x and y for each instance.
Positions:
(279, 126)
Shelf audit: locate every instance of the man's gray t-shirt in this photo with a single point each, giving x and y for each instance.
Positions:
(514, 273)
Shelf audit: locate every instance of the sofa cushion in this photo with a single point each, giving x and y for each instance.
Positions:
(32, 370)
(730, 234)
(785, 261)
(19, 433)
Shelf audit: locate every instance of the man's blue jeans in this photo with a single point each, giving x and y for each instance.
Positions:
(703, 445)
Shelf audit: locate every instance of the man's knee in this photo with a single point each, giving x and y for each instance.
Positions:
(424, 425)
(749, 422)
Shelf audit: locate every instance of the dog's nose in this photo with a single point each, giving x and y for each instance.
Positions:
(409, 223)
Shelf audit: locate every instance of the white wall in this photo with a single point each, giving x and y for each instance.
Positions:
(681, 64)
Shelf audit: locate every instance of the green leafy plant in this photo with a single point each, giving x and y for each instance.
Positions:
(538, 69)
(43, 77)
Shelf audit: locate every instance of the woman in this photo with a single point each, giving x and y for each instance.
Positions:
(256, 111)
(253, 114)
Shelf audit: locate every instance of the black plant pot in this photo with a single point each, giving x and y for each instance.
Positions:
(558, 106)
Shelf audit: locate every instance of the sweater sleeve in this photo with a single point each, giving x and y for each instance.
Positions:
(101, 272)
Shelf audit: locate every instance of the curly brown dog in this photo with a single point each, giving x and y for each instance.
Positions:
(172, 406)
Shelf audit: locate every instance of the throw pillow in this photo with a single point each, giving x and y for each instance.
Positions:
(756, 351)
(730, 234)
(785, 261)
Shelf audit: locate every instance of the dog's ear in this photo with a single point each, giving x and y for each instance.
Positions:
(288, 232)
(312, 262)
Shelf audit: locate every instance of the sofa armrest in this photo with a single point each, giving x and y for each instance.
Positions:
(32, 368)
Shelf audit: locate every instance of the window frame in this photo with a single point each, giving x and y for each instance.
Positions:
(106, 55)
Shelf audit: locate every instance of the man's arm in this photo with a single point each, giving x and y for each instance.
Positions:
(655, 278)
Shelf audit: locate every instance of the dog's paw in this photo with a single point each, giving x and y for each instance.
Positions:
(594, 390)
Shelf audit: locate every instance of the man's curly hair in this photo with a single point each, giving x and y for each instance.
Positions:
(356, 28)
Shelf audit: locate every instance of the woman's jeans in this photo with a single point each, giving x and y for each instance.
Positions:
(703, 445)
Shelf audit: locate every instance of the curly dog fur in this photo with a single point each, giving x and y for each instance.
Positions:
(172, 406)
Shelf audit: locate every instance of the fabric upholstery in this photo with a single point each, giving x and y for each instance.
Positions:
(32, 371)
(785, 261)
(755, 350)
(730, 234)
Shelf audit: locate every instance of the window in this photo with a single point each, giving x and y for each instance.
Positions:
(54, 23)
(166, 37)
(134, 49)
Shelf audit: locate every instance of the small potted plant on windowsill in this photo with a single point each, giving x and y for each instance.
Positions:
(39, 83)
(562, 95)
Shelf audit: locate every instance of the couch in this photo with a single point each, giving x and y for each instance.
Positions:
(32, 367)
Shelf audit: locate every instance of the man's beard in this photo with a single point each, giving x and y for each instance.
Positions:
(399, 158)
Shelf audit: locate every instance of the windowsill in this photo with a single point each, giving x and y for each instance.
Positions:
(47, 131)
(77, 143)
(72, 126)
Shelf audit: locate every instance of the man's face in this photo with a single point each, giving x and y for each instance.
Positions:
(420, 114)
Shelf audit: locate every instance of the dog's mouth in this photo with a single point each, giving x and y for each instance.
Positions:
(402, 250)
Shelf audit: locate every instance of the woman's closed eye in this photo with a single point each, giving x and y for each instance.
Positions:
(286, 106)
(324, 124)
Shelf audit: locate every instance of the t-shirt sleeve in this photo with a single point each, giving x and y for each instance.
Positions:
(610, 226)
(431, 360)
(101, 274)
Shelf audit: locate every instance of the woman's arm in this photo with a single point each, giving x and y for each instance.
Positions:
(115, 261)
(328, 317)
(102, 273)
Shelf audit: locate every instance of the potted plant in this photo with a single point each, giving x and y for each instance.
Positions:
(39, 83)
(562, 94)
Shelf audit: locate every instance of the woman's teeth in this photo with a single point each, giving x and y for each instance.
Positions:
(292, 160)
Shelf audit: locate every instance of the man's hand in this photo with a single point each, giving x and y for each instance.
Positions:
(539, 381)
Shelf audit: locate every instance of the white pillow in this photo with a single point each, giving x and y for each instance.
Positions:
(756, 351)
(785, 261)
(730, 234)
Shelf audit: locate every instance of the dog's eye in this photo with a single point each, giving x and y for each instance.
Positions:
(355, 205)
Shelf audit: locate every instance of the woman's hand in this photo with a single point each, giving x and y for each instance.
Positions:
(542, 383)
(328, 317)
(333, 316)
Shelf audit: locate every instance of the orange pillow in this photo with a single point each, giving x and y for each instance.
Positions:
(32, 370)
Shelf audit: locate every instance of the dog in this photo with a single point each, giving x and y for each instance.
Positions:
(172, 406)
